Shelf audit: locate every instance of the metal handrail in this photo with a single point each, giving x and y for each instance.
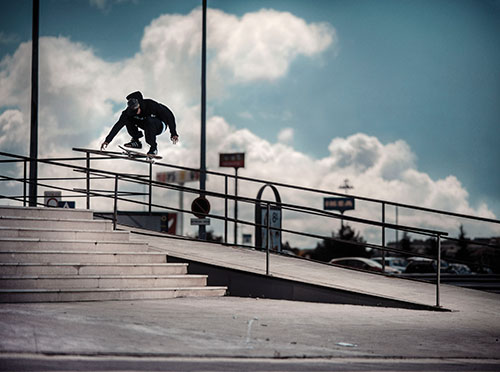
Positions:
(303, 188)
(116, 195)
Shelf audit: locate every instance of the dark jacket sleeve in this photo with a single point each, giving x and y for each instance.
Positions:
(122, 121)
(163, 113)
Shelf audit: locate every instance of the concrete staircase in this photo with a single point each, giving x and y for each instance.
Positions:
(52, 254)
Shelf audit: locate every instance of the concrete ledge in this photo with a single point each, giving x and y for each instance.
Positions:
(35, 244)
(81, 256)
(61, 223)
(102, 281)
(52, 233)
(76, 268)
(109, 294)
(7, 210)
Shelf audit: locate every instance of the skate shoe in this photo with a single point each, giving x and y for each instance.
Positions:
(153, 151)
(134, 144)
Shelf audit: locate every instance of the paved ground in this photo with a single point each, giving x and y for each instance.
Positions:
(222, 334)
(242, 334)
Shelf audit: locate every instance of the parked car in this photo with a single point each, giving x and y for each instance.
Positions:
(363, 264)
(421, 265)
(460, 269)
(398, 263)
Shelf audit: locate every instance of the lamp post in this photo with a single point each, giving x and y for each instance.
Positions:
(202, 234)
(34, 107)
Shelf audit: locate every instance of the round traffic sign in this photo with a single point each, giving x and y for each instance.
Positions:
(200, 207)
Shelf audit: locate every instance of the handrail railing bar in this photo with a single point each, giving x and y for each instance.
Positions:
(294, 232)
(123, 193)
(320, 212)
(133, 174)
(18, 198)
(126, 176)
(319, 191)
(26, 158)
(132, 193)
(55, 179)
(215, 194)
(296, 208)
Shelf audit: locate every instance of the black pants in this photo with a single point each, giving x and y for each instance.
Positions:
(152, 127)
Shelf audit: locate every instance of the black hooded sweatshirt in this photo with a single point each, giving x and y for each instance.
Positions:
(149, 108)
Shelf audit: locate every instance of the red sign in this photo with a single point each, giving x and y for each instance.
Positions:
(234, 160)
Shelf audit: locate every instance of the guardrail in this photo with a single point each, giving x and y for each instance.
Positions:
(92, 173)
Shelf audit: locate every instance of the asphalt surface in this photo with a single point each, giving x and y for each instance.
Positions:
(241, 334)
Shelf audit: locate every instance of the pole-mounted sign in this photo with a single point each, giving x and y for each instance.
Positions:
(338, 204)
(234, 160)
(200, 208)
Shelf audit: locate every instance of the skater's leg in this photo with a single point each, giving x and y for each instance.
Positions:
(133, 131)
(154, 127)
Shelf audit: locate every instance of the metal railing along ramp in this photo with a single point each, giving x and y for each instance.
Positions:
(243, 271)
(52, 254)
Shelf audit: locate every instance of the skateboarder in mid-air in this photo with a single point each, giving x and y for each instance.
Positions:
(150, 116)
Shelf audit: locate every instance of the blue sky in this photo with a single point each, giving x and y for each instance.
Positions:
(424, 72)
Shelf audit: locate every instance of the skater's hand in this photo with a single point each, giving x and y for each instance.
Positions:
(104, 145)
(174, 139)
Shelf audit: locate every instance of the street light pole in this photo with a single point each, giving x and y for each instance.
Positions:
(202, 234)
(34, 107)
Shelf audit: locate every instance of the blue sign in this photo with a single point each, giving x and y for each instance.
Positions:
(338, 204)
(66, 204)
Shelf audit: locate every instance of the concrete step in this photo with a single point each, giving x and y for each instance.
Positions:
(65, 295)
(63, 234)
(102, 281)
(50, 254)
(52, 257)
(57, 223)
(6, 210)
(35, 244)
(19, 269)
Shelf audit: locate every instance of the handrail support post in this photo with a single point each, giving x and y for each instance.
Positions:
(268, 236)
(115, 208)
(150, 185)
(25, 183)
(225, 207)
(88, 179)
(438, 283)
(383, 237)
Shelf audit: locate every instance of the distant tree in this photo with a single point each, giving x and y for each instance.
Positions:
(341, 245)
(463, 252)
(406, 243)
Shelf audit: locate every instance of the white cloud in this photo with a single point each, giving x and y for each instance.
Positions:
(285, 135)
(261, 45)
(78, 91)
(13, 130)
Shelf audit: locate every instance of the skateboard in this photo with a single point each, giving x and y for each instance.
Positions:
(131, 153)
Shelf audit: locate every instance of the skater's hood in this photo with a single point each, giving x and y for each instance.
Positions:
(133, 101)
(137, 95)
